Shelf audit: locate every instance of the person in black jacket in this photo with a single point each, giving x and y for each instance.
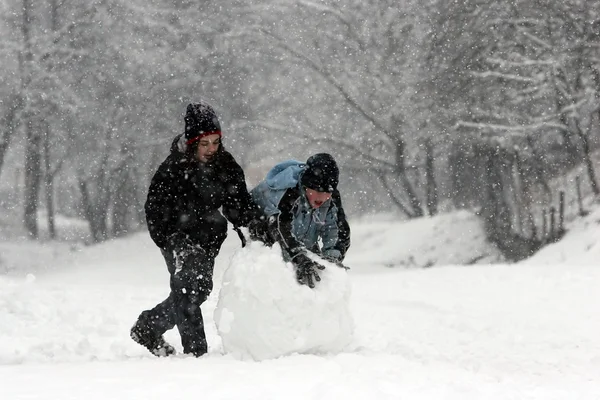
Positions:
(182, 211)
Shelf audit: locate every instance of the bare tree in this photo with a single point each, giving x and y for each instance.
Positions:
(9, 122)
(33, 165)
(364, 56)
(521, 73)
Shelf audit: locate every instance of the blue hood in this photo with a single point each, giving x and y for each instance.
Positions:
(285, 175)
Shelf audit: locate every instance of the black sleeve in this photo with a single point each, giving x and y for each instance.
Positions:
(343, 243)
(280, 225)
(161, 205)
(238, 208)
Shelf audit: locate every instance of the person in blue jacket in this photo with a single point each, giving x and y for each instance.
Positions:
(303, 211)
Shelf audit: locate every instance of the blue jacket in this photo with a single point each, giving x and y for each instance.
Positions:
(308, 225)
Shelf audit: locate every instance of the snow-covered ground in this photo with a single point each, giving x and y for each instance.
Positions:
(521, 331)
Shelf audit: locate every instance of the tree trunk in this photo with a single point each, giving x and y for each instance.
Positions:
(397, 201)
(431, 192)
(561, 102)
(596, 80)
(529, 228)
(96, 208)
(93, 214)
(9, 125)
(139, 202)
(49, 186)
(50, 173)
(495, 209)
(415, 204)
(124, 196)
(119, 216)
(33, 141)
(88, 208)
(589, 165)
(33, 179)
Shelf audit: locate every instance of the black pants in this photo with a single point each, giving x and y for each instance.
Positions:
(191, 283)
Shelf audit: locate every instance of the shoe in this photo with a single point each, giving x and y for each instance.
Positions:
(157, 346)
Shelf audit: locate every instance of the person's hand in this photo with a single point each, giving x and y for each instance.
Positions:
(307, 270)
(259, 230)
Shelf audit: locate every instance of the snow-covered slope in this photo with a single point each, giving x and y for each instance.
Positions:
(452, 238)
(523, 331)
(580, 246)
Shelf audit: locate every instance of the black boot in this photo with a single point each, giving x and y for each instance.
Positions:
(195, 343)
(156, 345)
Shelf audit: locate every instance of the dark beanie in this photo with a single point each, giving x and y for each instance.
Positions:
(321, 173)
(200, 120)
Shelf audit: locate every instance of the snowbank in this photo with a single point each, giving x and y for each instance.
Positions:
(455, 238)
(580, 246)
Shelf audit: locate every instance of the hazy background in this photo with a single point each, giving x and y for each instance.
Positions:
(427, 105)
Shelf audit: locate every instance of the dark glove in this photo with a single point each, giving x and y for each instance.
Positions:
(307, 270)
(259, 230)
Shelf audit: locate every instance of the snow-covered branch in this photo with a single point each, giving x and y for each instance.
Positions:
(507, 77)
(272, 126)
(535, 39)
(342, 17)
(509, 128)
(360, 152)
(523, 63)
(322, 71)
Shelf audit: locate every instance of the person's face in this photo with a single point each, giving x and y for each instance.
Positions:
(316, 199)
(207, 147)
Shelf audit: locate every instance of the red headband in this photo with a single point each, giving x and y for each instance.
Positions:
(195, 139)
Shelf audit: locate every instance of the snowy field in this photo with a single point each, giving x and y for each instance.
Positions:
(523, 331)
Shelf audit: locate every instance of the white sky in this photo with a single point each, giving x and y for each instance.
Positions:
(523, 331)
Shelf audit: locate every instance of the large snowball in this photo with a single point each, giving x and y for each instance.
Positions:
(263, 313)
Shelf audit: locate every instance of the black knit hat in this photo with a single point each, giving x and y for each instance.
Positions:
(321, 174)
(200, 120)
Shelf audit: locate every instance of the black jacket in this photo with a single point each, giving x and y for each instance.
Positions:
(185, 196)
